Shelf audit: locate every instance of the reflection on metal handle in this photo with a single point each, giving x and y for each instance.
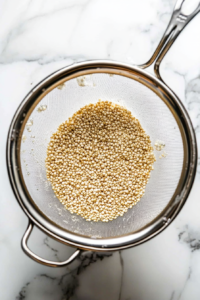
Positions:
(180, 18)
(39, 259)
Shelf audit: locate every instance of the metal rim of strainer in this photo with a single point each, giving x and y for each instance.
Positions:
(180, 18)
(186, 179)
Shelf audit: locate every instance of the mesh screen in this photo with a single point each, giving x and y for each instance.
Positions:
(154, 116)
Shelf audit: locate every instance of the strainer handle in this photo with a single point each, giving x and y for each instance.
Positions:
(181, 16)
(42, 260)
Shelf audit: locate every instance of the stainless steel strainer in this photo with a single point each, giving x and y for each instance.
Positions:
(160, 113)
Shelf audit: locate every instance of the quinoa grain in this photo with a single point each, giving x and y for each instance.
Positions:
(99, 161)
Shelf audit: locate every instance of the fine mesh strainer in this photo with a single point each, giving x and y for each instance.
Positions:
(160, 113)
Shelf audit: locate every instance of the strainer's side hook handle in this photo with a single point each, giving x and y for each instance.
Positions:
(42, 260)
(181, 16)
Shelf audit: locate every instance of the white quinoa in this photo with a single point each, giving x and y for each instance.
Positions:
(99, 161)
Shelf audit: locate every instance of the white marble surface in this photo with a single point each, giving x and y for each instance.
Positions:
(40, 36)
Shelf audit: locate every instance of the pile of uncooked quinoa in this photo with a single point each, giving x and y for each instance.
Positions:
(99, 161)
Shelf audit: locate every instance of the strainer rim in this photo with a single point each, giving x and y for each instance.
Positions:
(55, 230)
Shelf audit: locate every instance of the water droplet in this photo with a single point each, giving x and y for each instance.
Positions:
(23, 138)
(28, 129)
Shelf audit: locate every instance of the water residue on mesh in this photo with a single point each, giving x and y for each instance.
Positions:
(45, 181)
(85, 80)
(29, 124)
(75, 219)
(42, 108)
(159, 145)
(23, 138)
(58, 209)
(26, 166)
(164, 154)
(61, 86)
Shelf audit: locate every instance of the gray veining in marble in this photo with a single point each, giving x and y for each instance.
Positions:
(38, 37)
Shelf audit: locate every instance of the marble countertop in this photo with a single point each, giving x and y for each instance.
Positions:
(38, 37)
